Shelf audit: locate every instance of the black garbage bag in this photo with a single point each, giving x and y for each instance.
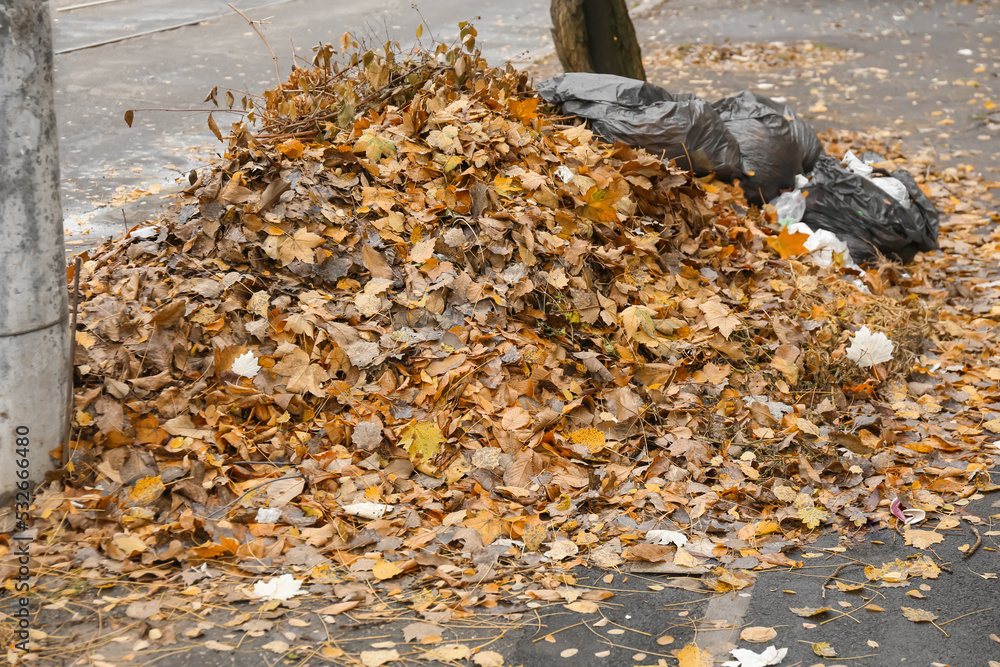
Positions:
(867, 219)
(803, 133)
(678, 127)
(771, 155)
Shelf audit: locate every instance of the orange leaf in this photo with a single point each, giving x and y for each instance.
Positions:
(292, 148)
(788, 243)
(524, 110)
(692, 656)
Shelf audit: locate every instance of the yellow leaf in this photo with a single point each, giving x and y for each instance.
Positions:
(533, 536)
(918, 615)
(765, 527)
(488, 659)
(692, 656)
(590, 438)
(812, 517)
(505, 185)
(824, 650)
(130, 544)
(806, 612)
(422, 441)
(788, 244)
(922, 539)
(635, 318)
(385, 570)
(599, 205)
(785, 493)
(85, 339)
(378, 658)
(259, 303)
(145, 492)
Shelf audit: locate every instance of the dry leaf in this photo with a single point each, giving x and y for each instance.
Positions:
(807, 612)
(692, 656)
(758, 634)
(383, 570)
(918, 615)
(378, 658)
(488, 659)
(824, 650)
(922, 539)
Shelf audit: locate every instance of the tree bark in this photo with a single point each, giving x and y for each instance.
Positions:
(596, 36)
(34, 334)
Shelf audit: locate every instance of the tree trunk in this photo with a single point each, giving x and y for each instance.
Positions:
(34, 334)
(596, 36)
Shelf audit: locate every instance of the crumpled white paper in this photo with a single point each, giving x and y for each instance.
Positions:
(747, 658)
(268, 515)
(370, 511)
(868, 349)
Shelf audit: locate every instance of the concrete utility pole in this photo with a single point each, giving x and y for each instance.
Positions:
(34, 334)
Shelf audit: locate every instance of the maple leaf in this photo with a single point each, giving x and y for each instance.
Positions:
(856, 516)
(246, 365)
(375, 147)
(639, 317)
(868, 349)
(284, 587)
(524, 110)
(302, 376)
(599, 205)
(421, 440)
(718, 316)
(922, 539)
(299, 246)
(812, 517)
(788, 244)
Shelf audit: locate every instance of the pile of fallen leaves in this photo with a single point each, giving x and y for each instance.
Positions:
(750, 55)
(421, 330)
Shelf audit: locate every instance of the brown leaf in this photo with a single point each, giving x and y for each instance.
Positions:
(375, 263)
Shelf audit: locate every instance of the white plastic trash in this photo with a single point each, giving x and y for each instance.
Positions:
(853, 164)
(822, 245)
(791, 206)
(894, 188)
